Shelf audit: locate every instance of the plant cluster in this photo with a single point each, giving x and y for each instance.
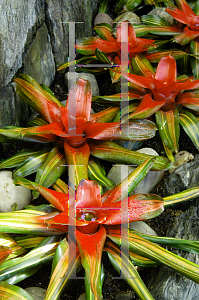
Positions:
(81, 221)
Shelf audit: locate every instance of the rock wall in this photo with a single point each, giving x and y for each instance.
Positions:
(34, 40)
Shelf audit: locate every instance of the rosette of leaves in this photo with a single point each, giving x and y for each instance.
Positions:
(163, 94)
(185, 31)
(100, 223)
(71, 130)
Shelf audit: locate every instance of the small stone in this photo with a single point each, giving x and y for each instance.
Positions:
(123, 296)
(142, 227)
(181, 158)
(148, 151)
(103, 18)
(82, 297)
(160, 12)
(90, 77)
(117, 173)
(36, 292)
(11, 194)
(128, 16)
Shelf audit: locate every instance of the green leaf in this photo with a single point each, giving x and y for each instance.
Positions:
(29, 241)
(156, 55)
(154, 20)
(194, 49)
(8, 241)
(124, 267)
(22, 276)
(31, 164)
(141, 66)
(97, 172)
(186, 245)
(18, 158)
(37, 122)
(113, 152)
(29, 222)
(104, 31)
(13, 292)
(190, 125)
(129, 183)
(64, 265)
(132, 4)
(154, 252)
(43, 253)
(169, 129)
(53, 167)
(101, 56)
(182, 196)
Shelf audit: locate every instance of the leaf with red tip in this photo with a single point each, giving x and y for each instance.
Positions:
(141, 81)
(182, 4)
(79, 100)
(88, 46)
(137, 130)
(156, 55)
(88, 194)
(186, 36)
(179, 15)
(135, 208)
(166, 70)
(4, 253)
(104, 32)
(38, 99)
(189, 99)
(91, 247)
(59, 200)
(147, 107)
(142, 66)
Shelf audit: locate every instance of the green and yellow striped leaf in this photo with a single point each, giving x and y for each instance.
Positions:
(154, 252)
(53, 167)
(169, 129)
(190, 125)
(97, 172)
(65, 263)
(194, 49)
(8, 241)
(125, 267)
(141, 66)
(115, 153)
(13, 292)
(101, 56)
(182, 196)
(29, 241)
(18, 158)
(154, 20)
(129, 183)
(43, 253)
(104, 31)
(31, 164)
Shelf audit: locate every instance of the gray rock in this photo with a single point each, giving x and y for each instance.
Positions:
(142, 227)
(123, 296)
(103, 18)
(160, 12)
(36, 292)
(180, 158)
(128, 16)
(13, 110)
(39, 61)
(82, 297)
(58, 13)
(150, 181)
(11, 194)
(166, 283)
(90, 77)
(19, 21)
(183, 177)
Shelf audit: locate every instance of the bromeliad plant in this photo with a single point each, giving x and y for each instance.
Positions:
(184, 32)
(72, 129)
(107, 49)
(164, 94)
(92, 225)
